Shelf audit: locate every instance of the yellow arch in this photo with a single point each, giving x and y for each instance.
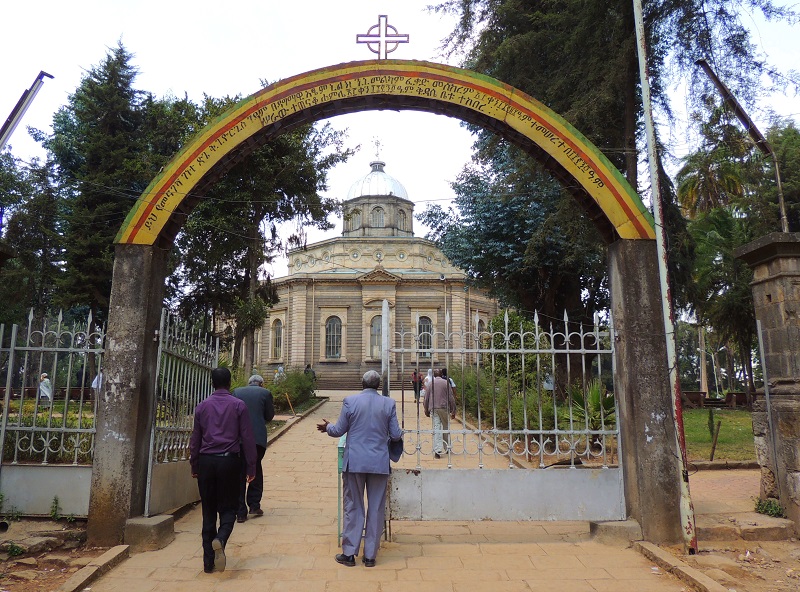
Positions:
(380, 84)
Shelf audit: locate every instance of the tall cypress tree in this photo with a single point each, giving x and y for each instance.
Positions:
(96, 144)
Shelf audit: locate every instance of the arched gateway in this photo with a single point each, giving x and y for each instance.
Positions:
(125, 417)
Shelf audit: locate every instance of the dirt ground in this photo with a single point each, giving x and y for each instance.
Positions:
(51, 551)
(749, 566)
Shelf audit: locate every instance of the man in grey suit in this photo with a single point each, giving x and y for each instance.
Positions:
(370, 422)
(261, 409)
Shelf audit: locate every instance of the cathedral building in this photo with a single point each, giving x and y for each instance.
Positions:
(329, 312)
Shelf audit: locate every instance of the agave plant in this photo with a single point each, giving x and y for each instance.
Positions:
(593, 406)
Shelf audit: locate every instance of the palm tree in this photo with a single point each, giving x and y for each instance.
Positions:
(713, 177)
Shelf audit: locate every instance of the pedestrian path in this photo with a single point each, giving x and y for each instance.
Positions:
(292, 546)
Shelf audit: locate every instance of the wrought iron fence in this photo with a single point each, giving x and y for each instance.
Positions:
(529, 395)
(51, 370)
(186, 357)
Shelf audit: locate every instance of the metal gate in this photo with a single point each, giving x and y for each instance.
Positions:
(536, 435)
(50, 370)
(183, 379)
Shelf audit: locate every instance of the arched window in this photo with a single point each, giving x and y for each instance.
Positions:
(333, 337)
(377, 218)
(401, 220)
(355, 220)
(425, 332)
(375, 335)
(277, 338)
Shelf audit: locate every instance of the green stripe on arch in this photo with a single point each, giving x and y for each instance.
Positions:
(392, 80)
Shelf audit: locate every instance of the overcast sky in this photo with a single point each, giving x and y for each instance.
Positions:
(221, 48)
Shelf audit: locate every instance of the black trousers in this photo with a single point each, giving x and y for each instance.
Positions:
(218, 482)
(250, 495)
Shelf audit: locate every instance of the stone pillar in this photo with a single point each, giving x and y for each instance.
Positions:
(649, 455)
(775, 261)
(125, 406)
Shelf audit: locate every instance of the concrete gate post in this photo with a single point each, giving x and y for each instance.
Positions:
(649, 457)
(775, 261)
(125, 406)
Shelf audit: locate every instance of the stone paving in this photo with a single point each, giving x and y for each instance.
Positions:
(292, 546)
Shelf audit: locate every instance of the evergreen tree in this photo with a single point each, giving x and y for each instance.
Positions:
(97, 145)
(32, 230)
(516, 234)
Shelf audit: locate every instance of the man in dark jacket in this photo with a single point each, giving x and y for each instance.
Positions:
(261, 409)
(221, 436)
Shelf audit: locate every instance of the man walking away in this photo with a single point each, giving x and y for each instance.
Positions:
(439, 401)
(370, 421)
(261, 410)
(222, 434)
(416, 382)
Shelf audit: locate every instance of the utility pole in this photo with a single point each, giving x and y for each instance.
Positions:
(757, 137)
(686, 508)
(21, 107)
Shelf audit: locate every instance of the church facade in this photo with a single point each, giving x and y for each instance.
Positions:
(329, 312)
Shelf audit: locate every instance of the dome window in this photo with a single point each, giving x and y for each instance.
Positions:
(377, 218)
(401, 220)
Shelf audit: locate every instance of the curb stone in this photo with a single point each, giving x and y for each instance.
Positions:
(671, 564)
(95, 569)
(722, 465)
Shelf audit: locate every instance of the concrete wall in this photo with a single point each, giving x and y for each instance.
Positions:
(172, 487)
(30, 489)
(647, 430)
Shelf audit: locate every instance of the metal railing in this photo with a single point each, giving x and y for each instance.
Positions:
(183, 379)
(527, 395)
(50, 419)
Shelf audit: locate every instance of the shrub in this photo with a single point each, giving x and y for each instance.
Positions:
(770, 507)
(296, 386)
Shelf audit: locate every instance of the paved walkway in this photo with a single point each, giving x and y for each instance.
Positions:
(292, 546)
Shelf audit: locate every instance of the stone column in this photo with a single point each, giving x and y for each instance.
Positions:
(125, 406)
(649, 455)
(775, 261)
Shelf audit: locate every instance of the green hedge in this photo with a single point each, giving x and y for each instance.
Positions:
(298, 386)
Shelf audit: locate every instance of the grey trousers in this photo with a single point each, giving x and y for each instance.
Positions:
(354, 486)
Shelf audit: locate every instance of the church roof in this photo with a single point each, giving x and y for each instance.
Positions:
(377, 182)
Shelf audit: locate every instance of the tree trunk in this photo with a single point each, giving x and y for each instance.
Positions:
(253, 260)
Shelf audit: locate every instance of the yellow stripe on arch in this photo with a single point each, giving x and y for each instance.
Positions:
(438, 83)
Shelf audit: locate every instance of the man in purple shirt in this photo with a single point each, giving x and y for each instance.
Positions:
(222, 435)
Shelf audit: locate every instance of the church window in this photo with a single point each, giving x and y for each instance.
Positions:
(355, 220)
(425, 332)
(377, 218)
(401, 220)
(277, 339)
(333, 337)
(483, 339)
(375, 337)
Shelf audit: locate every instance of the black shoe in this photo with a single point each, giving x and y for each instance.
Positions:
(219, 555)
(257, 512)
(437, 455)
(348, 560)
(368, 562)
(241, 519)
(208, 569)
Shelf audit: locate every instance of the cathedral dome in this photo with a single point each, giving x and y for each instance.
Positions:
(377, 183)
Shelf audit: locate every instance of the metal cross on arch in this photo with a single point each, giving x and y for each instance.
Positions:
(382, 38)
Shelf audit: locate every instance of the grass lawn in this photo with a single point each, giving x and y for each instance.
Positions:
(735, 440)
